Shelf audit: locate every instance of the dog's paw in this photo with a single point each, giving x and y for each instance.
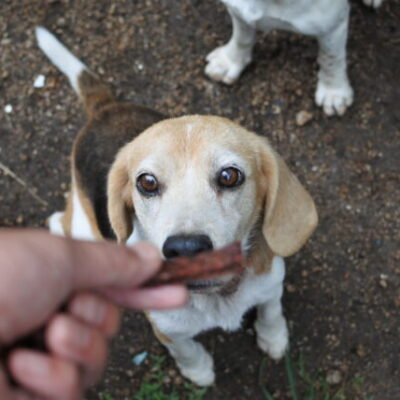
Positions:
(373, 3)
(223, 67)
(202, 374)
(273, 343)
(334, 100)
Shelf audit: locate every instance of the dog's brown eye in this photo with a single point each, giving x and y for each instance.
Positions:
(229, 177)
(147, 184)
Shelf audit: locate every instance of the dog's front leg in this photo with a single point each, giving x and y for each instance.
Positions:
(226, 63)
(334, 92)
(193, 360)
(271, 328)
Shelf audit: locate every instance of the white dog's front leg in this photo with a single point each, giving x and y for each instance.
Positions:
(272, 332)
(226, 63)
(194, 362)
(334, 92)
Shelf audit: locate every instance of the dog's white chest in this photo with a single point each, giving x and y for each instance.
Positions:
(205, 312)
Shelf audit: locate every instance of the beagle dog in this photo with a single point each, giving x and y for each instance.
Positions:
(186, 185)
(326, 20)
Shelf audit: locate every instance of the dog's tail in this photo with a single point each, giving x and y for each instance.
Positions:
(87, 85)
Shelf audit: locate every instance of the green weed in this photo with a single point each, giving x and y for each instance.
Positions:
(313, 386)
(155, 387)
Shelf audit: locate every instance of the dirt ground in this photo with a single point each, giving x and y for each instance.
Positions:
(342, 296)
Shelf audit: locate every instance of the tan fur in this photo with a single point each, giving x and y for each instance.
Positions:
(290, 213)
(66, 219)
(287, 212)
(120, 206)
(94, 94)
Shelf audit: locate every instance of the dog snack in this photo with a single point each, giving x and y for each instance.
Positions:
(204, 265)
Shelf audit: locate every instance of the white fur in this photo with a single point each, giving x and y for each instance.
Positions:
(326, 20)
(55, 224)
(60, 56)
(207, 311)
(80, 225)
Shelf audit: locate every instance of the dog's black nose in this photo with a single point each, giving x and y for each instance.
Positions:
(186, 245)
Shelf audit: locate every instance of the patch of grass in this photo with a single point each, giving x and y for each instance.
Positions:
(155, 386)
(313, 385)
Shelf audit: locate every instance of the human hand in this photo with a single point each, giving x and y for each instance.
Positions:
(39, 272)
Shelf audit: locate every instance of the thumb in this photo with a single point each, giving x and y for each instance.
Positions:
(106, 264)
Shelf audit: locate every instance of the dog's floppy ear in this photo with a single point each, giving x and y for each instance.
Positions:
(290, 215)
(119, 193)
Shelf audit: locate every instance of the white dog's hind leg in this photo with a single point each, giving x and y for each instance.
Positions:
(334, 92)
(194, 362)
(271, 328)
(226, 63)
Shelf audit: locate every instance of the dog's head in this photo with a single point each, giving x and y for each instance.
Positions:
(196, 183)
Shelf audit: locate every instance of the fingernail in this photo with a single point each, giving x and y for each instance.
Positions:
(31, 364)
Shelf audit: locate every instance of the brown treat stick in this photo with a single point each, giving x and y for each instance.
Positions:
(204, 265)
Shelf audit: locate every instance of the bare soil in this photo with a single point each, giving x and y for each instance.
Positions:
(342, 295)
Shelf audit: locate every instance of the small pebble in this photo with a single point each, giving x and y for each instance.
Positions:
(290, 288)
(139, 358)
(360, 350)
(383, 283)
(8, 109)
(276, 109)
(383, 280)
(39, 81)
(302, 117)
(333, 377)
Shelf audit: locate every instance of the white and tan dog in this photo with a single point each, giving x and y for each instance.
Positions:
(186, 185)
(326, 20)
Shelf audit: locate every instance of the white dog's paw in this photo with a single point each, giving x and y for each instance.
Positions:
(202, 373)
(274, 344)
(225, 67)
(373, 3)
(334, 100)
(54, 223)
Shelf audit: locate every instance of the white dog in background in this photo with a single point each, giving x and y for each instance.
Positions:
(326, 20)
